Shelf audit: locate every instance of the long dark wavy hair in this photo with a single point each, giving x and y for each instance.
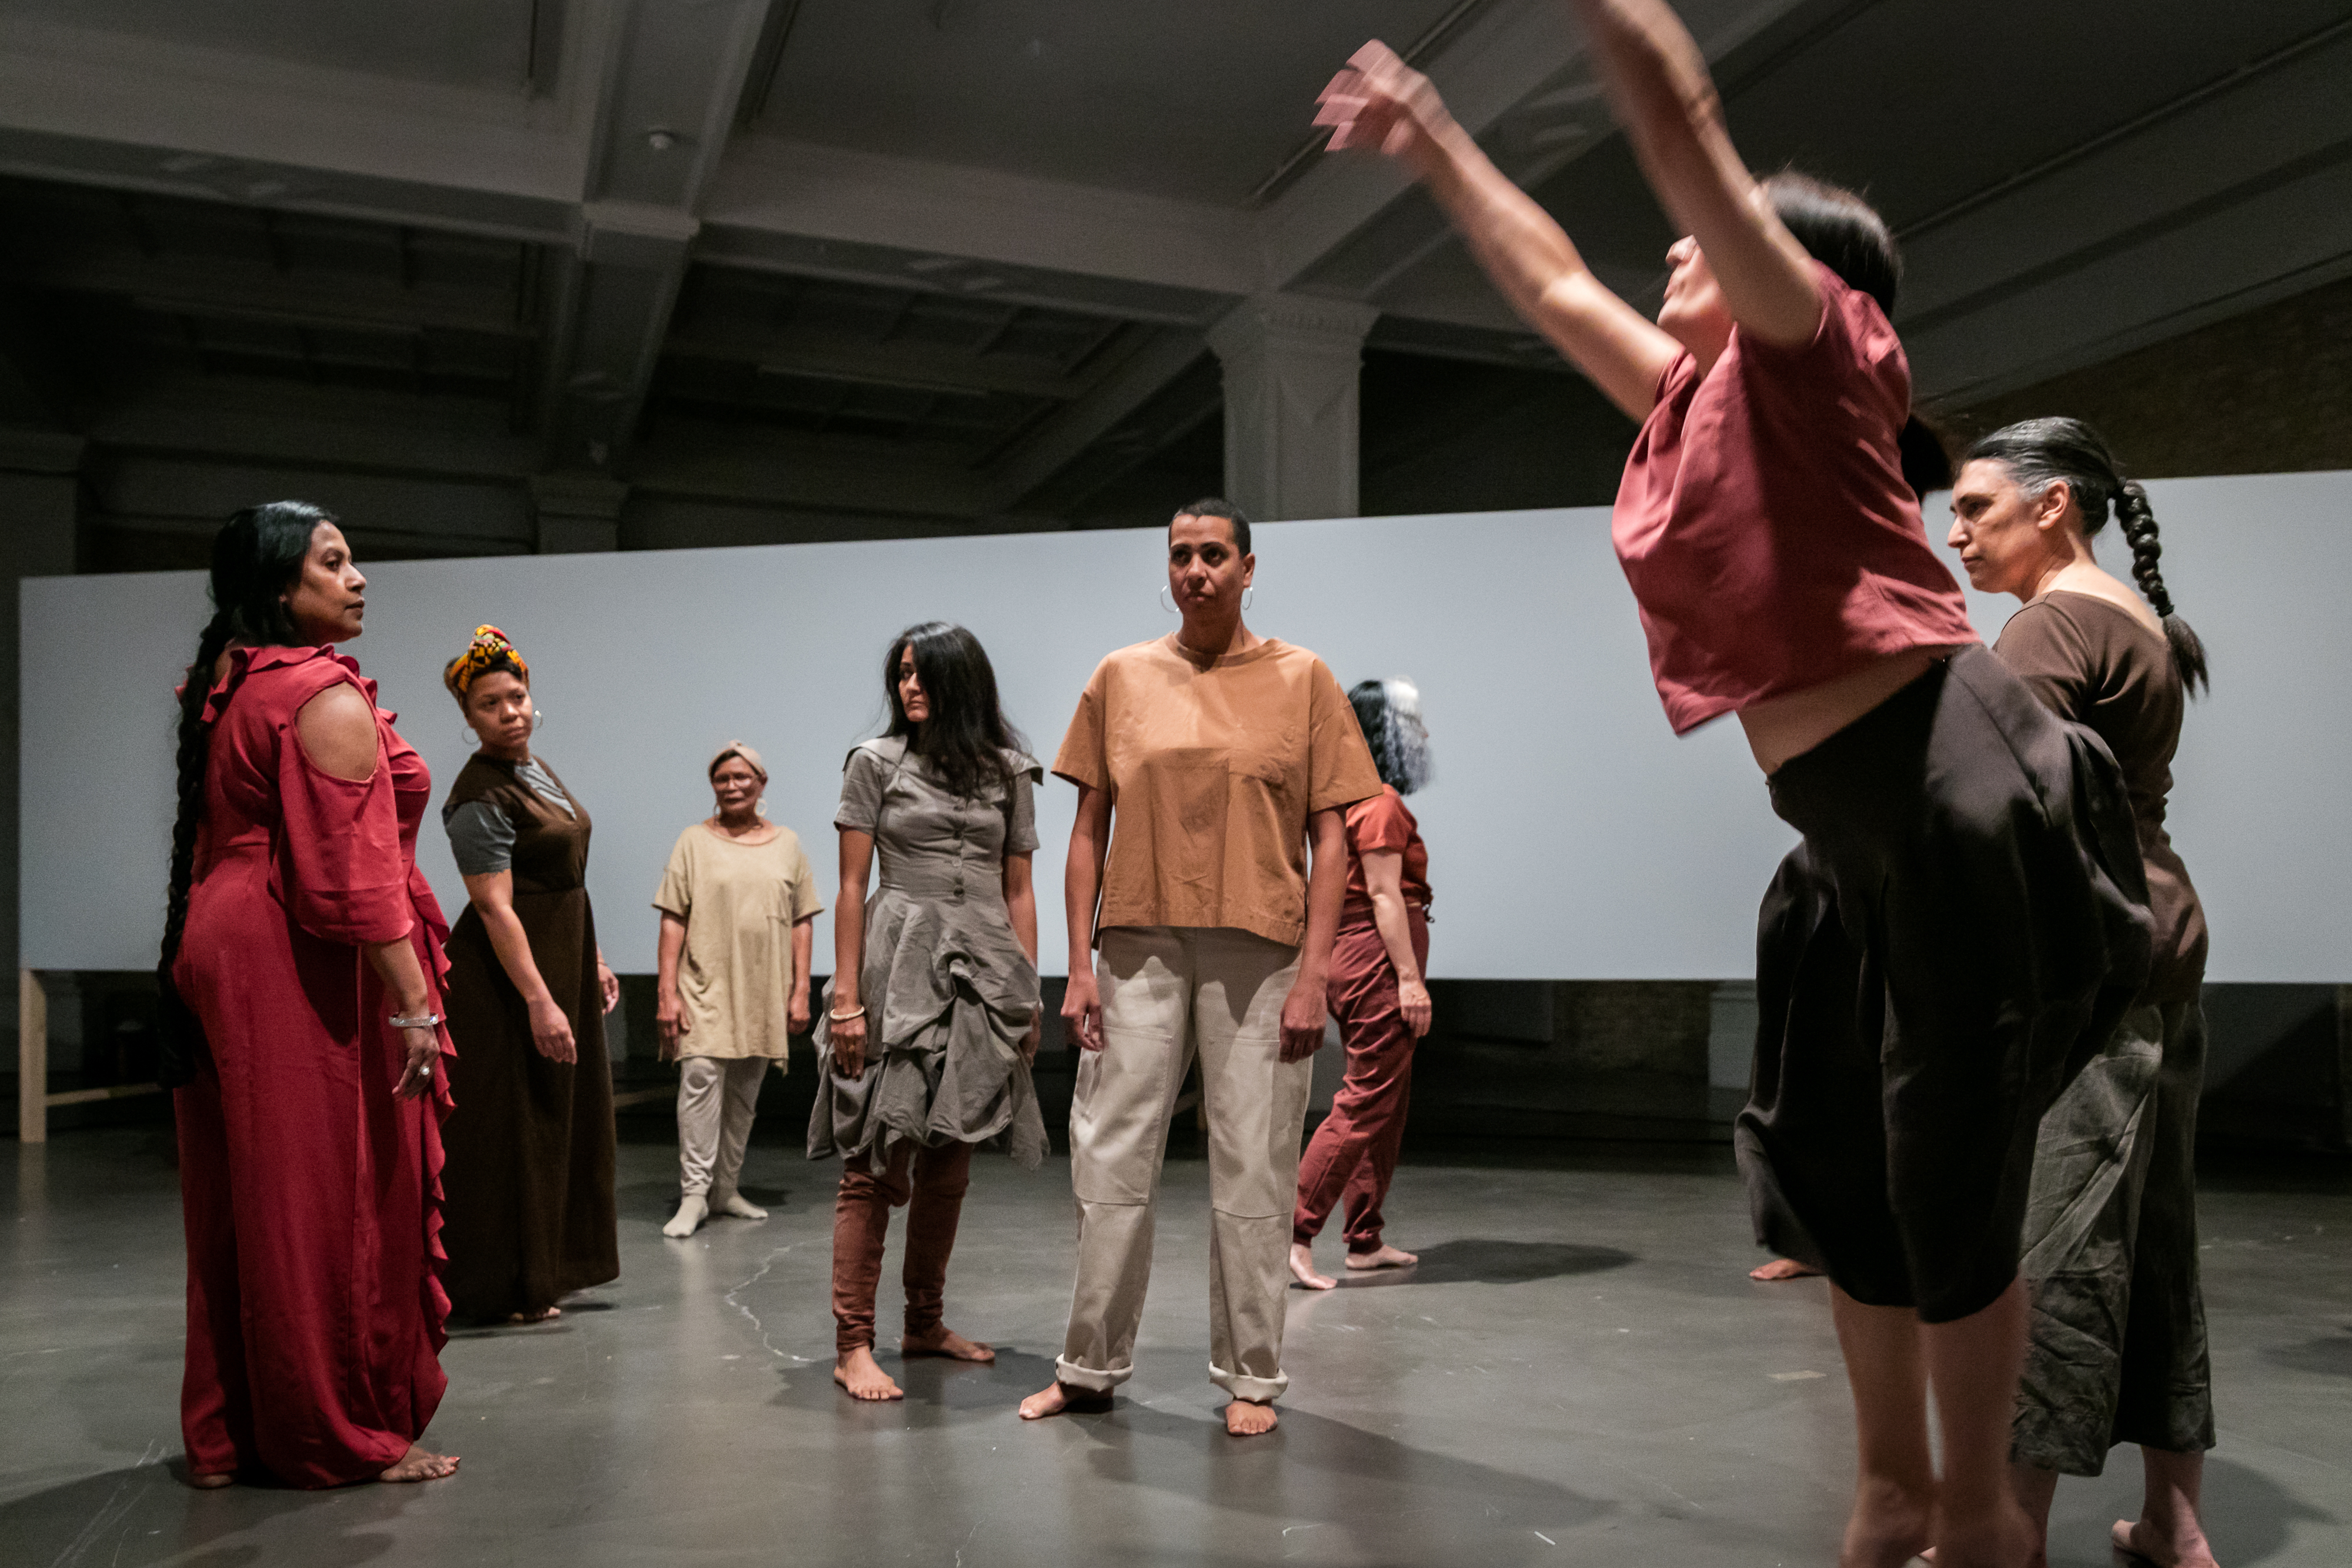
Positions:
(2038, 453)
(256, 558)
(967, 740)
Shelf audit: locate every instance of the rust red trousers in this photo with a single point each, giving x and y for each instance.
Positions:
(1353, 1154)
(929, 1182)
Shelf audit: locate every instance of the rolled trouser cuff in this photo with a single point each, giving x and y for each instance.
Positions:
(1093, 1379)
(1240, 1386)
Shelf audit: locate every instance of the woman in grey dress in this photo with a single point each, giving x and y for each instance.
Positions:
(932, 1016)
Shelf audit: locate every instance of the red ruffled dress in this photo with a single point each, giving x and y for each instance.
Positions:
(312, 1196)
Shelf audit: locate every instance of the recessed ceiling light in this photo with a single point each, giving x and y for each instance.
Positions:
(661, 139)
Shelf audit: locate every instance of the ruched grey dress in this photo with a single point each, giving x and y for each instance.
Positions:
(949, 992)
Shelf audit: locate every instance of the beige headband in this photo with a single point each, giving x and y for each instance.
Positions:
(737, 749)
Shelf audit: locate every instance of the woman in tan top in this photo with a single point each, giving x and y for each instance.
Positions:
(2117, 1348)
(1217, 754)
(736, 902)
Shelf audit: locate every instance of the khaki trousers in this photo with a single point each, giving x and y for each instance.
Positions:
(716, 1097)
(1166, 993)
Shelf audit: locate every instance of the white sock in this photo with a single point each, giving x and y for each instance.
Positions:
(691, 1211)
(727, 1200)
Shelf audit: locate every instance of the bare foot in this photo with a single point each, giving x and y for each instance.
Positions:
(1887, 1529)
(211, 1481)
(1781, 1268)
(692, 1210)
(944, 1340)
(420, 1465)
(1248, 1418)
(1386, 1258)
(1302, 1268)
(2184, 1546)
(861, 1378)
(1060, 1398)
(540, 1316)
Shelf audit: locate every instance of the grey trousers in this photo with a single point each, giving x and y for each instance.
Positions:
(1168, 992)
(2118, 1353)
(716, 1098)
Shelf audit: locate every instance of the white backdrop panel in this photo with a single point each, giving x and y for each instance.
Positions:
(1572, 836)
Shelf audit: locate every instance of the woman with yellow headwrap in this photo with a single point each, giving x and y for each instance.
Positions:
(529, 1173)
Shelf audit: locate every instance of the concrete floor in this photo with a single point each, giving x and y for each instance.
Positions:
(1577, 1369)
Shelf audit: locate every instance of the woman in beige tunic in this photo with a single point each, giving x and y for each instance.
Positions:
(736, 902)
(932, 1016)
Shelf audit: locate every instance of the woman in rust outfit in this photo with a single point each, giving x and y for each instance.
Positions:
(299, 979)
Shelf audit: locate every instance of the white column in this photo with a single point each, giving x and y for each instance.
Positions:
(1292, 365)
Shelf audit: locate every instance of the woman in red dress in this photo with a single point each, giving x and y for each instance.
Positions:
(300, 979)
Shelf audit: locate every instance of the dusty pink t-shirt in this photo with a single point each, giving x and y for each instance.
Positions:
(1764, 524)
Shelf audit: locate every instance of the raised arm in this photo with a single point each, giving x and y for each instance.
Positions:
(1382, 103)
(1657, 84)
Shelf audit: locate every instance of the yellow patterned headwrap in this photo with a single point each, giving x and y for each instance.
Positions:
(488, 649)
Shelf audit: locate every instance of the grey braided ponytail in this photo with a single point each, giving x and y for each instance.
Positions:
(255, 557)
(2038, 453)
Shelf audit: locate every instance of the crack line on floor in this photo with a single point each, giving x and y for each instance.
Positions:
(765, 1264)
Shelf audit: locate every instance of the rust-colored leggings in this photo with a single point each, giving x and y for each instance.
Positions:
(861, 1220)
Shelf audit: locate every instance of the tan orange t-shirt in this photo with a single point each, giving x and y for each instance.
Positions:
(1212, 767)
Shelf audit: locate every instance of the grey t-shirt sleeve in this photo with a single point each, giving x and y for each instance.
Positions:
(862, 780)
(480, 838)
(1021, 832)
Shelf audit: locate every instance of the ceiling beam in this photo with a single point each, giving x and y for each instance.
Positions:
(1060, 439)
(669, 84)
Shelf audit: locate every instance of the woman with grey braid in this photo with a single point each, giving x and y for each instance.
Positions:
(2117, 1352)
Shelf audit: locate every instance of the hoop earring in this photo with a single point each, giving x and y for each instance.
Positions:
(1166, 603)
(537, 717)
(473, 742)
(1249, 595)
(760, 806)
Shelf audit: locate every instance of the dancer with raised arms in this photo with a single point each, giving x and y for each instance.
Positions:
(1217, 756)
(2117, 1352)
(1977, 849)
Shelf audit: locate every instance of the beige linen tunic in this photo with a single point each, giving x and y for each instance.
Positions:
(739, 902)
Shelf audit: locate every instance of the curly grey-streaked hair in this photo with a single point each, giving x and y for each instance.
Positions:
(1389, 714)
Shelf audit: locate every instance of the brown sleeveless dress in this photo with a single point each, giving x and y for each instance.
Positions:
(529, 1179)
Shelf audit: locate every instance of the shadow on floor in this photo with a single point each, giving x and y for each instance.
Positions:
(1311, 1467)
(148, 1513)
(2250, 1517)
(1476, 1261)
(2329, 1354)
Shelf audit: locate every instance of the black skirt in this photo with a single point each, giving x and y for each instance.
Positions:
(1963, 925)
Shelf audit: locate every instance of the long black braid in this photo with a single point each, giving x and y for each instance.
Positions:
(2041, 451)
(256, 556)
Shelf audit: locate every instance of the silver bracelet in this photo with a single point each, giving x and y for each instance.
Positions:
(845, 1017)
(422, 1020)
